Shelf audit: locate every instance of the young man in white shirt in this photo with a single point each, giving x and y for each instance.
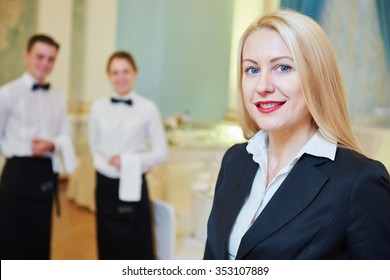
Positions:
(34, 130)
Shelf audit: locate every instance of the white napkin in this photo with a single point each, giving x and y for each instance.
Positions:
(68, 155)
(130, 178)
(65, 156)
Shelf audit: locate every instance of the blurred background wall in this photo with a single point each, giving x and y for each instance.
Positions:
(182, 48)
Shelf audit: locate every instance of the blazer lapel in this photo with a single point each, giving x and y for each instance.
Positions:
(299, 188)
(244, 172)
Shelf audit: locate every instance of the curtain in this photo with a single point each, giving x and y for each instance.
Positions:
(311, 8)
(383, 7)
(354, 30)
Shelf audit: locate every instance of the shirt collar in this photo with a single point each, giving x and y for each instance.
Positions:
(131, 95)
(319, 145)
(29, 80)
(258, 147)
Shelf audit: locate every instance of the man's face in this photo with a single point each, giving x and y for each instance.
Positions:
(40, 60)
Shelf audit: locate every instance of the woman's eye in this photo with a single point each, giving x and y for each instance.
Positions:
(252, 70)
(284, 68)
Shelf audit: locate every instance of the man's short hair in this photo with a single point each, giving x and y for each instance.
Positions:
(41, 38)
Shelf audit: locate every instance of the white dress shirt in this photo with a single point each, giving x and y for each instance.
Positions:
(27, 114)
(259, 196)
(135, 130)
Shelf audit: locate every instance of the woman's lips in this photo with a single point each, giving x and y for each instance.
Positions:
(269, 106)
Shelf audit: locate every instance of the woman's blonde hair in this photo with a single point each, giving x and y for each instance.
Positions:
(318, 72)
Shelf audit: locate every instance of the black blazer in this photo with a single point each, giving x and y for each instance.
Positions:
(323, 210)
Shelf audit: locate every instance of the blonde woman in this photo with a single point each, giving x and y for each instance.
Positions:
(300, 188)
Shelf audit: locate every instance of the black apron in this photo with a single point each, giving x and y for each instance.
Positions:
(124, 229)
(26, 198)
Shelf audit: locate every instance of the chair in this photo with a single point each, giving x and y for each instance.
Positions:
(165, 229)
(167, 247)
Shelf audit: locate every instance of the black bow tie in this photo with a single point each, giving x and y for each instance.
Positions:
(116, 100)
(41, 86)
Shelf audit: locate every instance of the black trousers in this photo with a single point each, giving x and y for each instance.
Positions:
(26, 198)
(124, 229)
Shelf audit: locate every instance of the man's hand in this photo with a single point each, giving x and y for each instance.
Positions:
(115, 161)
(40, 147)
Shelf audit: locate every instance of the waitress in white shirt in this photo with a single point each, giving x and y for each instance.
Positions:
(126, 139)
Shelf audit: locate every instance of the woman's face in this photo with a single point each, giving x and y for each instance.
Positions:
(122, 75)
(271, 86)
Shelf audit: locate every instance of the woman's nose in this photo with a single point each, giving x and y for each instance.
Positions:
(265, 84)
